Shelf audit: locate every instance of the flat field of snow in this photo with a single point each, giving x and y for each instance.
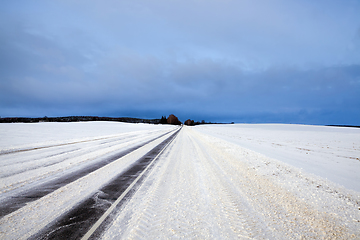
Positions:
(329, 152)
(206, 182)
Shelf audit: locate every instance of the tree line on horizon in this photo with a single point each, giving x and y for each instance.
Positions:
(77, 119)
(172, 119)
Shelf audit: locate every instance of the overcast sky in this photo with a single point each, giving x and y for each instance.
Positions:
(253, 61)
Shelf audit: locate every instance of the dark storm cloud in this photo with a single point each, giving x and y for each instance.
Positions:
(263, 61)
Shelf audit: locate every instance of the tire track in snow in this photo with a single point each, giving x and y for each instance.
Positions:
(11, 151)
(16, 202)
(145, 214)
(43, 155)
(286, 214)
(42, 160)
(238, 218)
(199, 190)
(15, 183)
(185, 197)
(80, 219)
(203, 187)
(150, 219)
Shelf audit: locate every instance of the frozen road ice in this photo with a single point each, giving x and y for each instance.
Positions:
(199, 186)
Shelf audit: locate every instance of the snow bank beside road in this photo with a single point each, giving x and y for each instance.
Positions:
(329, 152)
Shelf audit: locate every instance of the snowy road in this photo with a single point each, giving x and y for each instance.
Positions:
(164, 183)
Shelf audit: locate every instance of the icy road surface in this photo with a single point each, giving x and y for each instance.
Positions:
(137, 181)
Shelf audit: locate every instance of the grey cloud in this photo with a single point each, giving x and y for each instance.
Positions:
(270, 60)
(272, 32)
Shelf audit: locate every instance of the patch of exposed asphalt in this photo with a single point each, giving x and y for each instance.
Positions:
(76, 223)
(16, 202)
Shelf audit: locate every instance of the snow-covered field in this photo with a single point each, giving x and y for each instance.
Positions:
(329, 152)
(212, 181)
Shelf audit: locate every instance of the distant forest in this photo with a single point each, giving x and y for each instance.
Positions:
(173, 120)
(77, 119)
